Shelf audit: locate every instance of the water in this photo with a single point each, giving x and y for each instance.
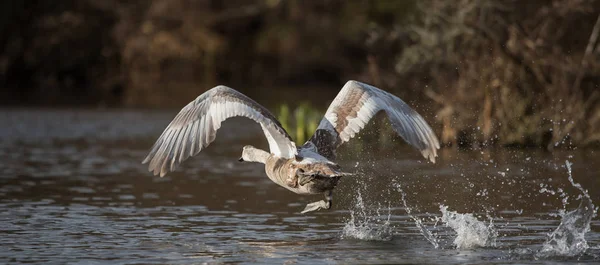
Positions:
(365, 225)
(72, 190)
(569, 237)
(470, 232)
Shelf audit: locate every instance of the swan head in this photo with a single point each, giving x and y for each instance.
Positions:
(246, 153)
(253, 154)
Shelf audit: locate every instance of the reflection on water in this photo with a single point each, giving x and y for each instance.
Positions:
(72, 189)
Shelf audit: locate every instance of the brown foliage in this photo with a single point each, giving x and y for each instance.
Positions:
(495, 72)
(52, 51)
(509, 72)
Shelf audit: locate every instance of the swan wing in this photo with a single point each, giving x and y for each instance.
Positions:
(196, 125)
(353, 108)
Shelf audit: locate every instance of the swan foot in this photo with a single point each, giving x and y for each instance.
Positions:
(323, 204)
(316, 206)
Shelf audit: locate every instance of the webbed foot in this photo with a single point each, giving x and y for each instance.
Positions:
(324, 204)
(316, 206)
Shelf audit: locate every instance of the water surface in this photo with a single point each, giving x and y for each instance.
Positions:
(72, 190)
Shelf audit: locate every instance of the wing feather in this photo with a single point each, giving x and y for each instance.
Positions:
(196, 125)
(192, 139)
(355, 105)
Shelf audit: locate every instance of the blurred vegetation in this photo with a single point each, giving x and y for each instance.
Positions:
(510, 72)
(300, 123)
(483, 72)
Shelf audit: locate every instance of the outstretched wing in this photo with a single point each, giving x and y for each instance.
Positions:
(352, 109)
(196, 125)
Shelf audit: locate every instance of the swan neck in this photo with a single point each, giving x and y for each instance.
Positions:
(257, 155)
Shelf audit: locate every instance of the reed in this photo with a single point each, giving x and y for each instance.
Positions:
(301, 121)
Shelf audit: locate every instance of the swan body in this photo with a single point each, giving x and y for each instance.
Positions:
(306, 169)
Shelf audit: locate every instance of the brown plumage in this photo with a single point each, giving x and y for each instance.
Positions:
(308, 169)
(288, 173)
(353, 108)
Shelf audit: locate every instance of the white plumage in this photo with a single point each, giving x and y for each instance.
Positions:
(353, 108)
(308, 169)
(195, 127)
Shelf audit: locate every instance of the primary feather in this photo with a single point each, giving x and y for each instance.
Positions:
(353, 108)
(196, 125)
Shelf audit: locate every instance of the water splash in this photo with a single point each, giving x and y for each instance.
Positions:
(568, 239)
(365, 226)
(470, 232)
(429, 236)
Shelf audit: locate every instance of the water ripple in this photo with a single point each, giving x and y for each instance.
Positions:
(73, 190)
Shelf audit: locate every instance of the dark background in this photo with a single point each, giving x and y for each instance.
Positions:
(508, 73)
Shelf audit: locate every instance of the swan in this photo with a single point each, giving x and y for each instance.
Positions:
(306, 169)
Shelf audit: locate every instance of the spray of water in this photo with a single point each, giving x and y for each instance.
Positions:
(569, 237)
(429, 236)
(567, 240)
(365, 225)
(470, 232)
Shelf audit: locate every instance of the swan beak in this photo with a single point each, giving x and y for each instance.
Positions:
(241, 159)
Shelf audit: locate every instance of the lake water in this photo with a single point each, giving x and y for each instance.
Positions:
(73, 191)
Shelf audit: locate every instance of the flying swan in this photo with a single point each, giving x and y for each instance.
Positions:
(306, 169)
